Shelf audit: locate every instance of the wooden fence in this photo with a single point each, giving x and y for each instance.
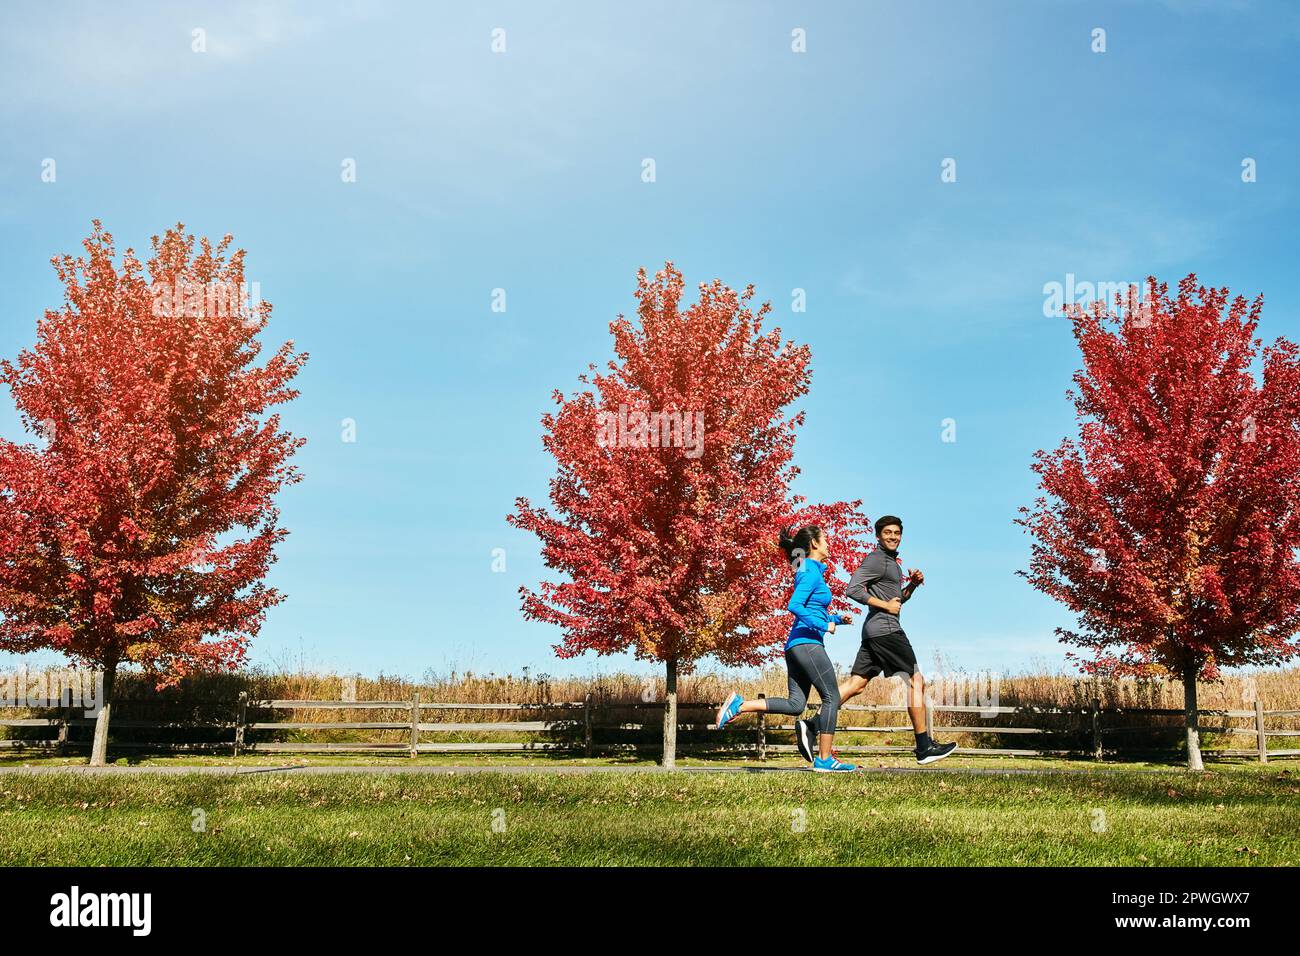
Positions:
(576, 724)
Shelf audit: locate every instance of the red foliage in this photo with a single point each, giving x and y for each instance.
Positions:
(1171, 525)
(670, 552)
(118, 538)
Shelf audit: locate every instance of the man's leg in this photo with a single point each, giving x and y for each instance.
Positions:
(927, 750)
(864, 668)
(916, 702)
(896, 654)
(852, 686)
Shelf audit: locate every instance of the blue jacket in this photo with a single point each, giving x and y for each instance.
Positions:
(808, 604)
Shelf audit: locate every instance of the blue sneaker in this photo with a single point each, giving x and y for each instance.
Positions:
(832, 764)
(729, 709)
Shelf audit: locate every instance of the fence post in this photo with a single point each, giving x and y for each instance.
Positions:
(586, 725)
(602, 708)
(1260, 739)
(65, 714)
(415, 722)
(762, 731)
(241, 721)
(1096, 728)
(929, 716)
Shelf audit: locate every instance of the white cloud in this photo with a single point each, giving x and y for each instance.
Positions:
(999, 273)
(65, 57)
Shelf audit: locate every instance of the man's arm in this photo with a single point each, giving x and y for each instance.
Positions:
(867, 574)
(914, 582)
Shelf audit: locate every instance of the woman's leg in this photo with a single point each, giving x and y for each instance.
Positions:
(816, 663)
(796, 699)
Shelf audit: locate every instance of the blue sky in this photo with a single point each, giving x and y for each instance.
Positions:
(522, 171)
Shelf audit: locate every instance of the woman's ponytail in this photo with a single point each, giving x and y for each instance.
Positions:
(797, 542)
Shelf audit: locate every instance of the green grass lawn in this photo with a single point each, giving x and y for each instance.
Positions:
(1232, 815)
(563, 758)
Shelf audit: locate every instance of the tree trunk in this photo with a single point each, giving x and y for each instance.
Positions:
(99, 749)
(1192, 719)
(670, 717)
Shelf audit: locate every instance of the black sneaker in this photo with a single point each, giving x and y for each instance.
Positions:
(805, 736)
(934, 752)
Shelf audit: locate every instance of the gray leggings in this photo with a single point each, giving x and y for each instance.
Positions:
(808, 665)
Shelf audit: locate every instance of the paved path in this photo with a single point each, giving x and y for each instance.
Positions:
(312, 770)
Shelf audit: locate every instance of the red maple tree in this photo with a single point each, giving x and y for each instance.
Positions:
(1171, 525)
(674, 469)
(120, 532)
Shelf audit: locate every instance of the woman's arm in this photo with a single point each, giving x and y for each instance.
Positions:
(805, 582)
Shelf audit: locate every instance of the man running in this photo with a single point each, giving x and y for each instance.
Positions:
(878, 583)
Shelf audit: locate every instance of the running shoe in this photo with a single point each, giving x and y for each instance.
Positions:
(934, 752)
(832, 765)
(805, 737)
(729, 709)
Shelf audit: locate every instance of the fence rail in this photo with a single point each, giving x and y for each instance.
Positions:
(582, 720)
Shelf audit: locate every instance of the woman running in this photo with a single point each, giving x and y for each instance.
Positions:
(806, 661)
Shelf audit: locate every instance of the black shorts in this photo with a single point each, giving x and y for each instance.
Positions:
(890, 655)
